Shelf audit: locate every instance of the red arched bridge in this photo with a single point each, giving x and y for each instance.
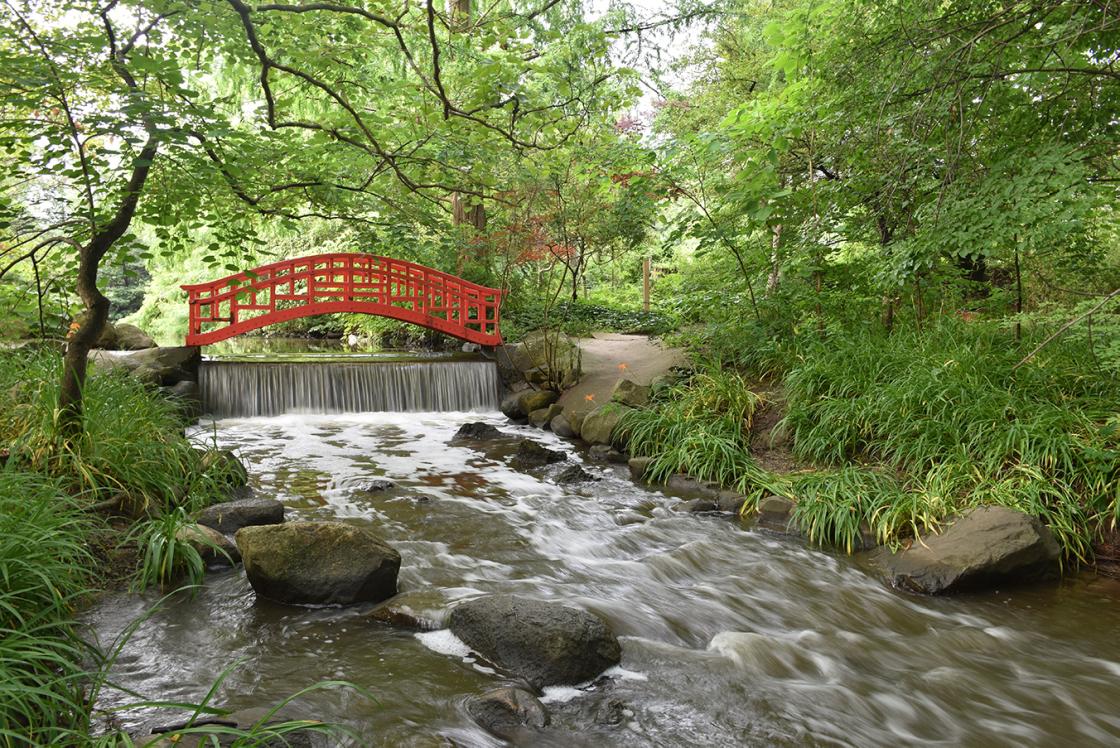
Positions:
(348, 282)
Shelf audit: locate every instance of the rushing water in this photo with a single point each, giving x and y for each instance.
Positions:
(265, 389)
(731, 636)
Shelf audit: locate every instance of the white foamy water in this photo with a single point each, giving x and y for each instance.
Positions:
(731, 636)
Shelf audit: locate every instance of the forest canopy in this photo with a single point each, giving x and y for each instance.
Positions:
(795, 165)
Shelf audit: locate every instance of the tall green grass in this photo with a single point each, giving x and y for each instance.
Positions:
(132, 455)
(947, 412)
(907, 430)
(132, 448)
(44, 570)
(701, 428)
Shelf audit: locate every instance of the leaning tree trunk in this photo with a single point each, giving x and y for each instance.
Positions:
(97, 306)
(83, 339)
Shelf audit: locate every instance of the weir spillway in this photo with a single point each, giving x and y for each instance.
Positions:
(233, 389)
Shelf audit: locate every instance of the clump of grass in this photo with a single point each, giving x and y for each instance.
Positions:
(167, 557)
(43, 571)
(132, 448)
(947, 410)
(700, 428)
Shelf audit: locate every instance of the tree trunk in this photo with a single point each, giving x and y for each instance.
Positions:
(775, 276)
(83, 339)
(97, 306)
(1019, 301)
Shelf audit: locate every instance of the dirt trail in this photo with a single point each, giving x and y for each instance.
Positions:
(609, 357)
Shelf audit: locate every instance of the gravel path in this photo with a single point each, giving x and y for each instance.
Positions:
(609, 357)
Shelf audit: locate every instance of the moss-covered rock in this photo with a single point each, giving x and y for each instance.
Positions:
(631, 394)
(599, 425)
(532, 400)
(318, 563)
(548, 358)
(542, 418)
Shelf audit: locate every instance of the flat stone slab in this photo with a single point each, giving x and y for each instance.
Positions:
(230, 516)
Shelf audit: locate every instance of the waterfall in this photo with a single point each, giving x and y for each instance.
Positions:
(231, 389)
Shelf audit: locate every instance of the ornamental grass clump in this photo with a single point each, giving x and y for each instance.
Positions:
(132, 449)
(43, 574)
(942, 421)
(700, 428)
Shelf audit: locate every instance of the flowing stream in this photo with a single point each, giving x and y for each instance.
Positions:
(731, 635)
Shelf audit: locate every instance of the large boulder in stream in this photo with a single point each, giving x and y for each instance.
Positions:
(231, 516)
(985, 547)
(316, 563)
(545, 643)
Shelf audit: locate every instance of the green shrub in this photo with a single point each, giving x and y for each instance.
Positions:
(581, 319)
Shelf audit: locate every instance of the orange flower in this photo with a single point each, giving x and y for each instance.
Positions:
(589, 398)
(623, 367)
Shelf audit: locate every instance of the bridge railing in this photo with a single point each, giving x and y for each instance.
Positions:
(350, 282)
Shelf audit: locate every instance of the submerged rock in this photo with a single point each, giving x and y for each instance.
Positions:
(377, 485)
(318, 563)
(231, 516)
(545, 643)
(530, 454)
(478, 431)
(984, 548)
(574, 474)
(168, 735)
(423, 610)
(506, 711)
(698, 506)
